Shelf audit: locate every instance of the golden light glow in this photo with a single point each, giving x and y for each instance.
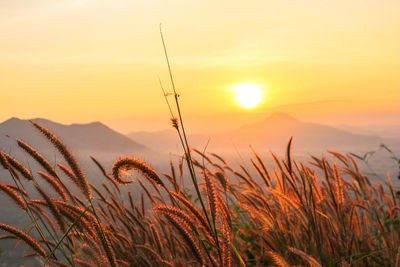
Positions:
(248, 95)
(319, 59)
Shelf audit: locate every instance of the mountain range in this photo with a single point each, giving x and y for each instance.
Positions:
(271, 133)
(83, 140)
(93, 137)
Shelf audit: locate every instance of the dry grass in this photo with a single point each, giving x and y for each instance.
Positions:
(320, 214)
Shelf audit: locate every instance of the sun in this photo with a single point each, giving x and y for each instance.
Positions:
(248, 95)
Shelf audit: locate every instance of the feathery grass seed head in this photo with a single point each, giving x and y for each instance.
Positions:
(128, 163)
(62, 148)
(24, 237)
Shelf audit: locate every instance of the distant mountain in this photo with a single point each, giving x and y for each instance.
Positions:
(167, 140)
(162, 140)
(276, 129)
(83, 140)
(93, 137)
(271, 133)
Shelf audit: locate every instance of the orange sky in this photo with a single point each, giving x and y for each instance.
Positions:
(85, 60)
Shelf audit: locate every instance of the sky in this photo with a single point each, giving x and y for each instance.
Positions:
(332, 62)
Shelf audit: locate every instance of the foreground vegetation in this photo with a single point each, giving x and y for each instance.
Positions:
(319, 214)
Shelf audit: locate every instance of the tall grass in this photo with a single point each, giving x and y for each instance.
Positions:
(318, 214)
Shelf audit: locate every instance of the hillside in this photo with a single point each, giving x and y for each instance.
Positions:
(94, 137)
(276, 129)
(271, 133)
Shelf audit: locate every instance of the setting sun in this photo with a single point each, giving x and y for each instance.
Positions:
(248, 95)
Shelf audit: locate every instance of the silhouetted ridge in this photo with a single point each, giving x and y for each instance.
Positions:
(93, 136)
(272, 132)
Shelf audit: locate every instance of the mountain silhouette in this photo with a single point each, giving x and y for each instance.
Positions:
(92, 137)
(273, 132)
(276, 129)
